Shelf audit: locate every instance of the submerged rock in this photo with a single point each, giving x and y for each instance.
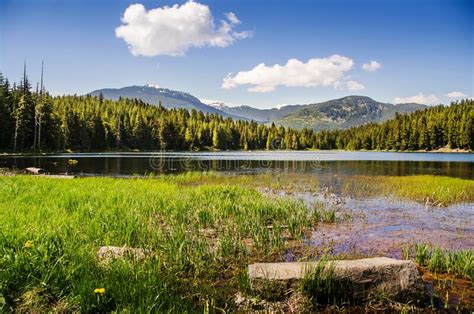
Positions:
(360, 279)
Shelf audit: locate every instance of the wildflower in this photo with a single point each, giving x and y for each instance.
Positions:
(99, 291)
(28, 244)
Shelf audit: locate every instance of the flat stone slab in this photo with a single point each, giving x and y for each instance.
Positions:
(396, 279)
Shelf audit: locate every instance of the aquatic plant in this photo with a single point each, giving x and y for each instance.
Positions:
(458, 263)
(421, 254)
(322, 213)
(427, 189)
(406, 252)
(72, 162)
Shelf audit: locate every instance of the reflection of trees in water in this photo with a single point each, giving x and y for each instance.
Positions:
(166, 164)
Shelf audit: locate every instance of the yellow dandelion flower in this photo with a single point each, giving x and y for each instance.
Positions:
(100, 291)
(28, 244)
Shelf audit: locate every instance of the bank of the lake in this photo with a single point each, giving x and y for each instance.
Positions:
(199, 232)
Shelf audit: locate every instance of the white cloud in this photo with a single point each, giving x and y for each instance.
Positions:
(372, 66)
(232, 18)
(353, 85)
(316, 72)
(173, 30)
(419, 99)
(456, 95)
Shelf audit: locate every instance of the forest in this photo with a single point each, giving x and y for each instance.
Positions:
(31, 120)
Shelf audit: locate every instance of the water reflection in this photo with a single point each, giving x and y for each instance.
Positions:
(320, 164)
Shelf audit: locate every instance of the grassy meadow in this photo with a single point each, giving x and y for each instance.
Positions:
(201, 239)
(199, 231)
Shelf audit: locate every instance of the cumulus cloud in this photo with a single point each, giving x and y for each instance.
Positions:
(316, 72)
(456, 95)
(173, 30)
(419, 99)
(353, 85)
(372, 66)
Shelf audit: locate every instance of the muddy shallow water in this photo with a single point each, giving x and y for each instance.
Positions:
(382, 226)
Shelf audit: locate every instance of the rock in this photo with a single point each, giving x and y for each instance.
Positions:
(362, 278)
(35, 170)
(107, 253)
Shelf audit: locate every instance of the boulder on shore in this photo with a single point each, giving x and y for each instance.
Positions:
(360, 279)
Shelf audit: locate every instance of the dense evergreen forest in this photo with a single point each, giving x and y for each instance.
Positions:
(33, 120)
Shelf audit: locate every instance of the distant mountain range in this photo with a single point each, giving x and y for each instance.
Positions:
(340, 113)
(259, 115)
(154, 95)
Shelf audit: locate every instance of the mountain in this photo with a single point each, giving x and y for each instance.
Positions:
(153, 95)
(333, 114)
(339, 113)
(343, 113)
(259, 115)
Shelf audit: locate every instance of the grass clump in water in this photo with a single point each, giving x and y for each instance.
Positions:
(429, 189)
(459, 263)
(321, 213)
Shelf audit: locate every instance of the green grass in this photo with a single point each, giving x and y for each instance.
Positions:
(202, 238)
(433, 190)
(428, 189)
(202, 231)
(321, 213)
(288, 182)
(459, 263)
(321, 288)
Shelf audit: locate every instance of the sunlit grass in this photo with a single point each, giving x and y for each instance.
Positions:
(321, 287)
(459, 263)
(288, 182)
(201, 238)
(202, 230)
(429, 189)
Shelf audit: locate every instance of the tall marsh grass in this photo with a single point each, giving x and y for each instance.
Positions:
(322, 288)
(459, 263)
(429, 189)
(201, 239)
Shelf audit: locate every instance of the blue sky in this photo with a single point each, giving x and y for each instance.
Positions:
(423, 48)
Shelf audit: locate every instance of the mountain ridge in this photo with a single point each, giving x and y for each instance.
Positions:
(345, 112)
(340, 113)
(329, 114)
(154, 95)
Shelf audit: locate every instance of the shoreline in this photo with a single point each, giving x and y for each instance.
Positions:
(442, 150)
(224, 253)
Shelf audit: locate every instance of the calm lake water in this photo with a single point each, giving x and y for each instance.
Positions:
(320, 163)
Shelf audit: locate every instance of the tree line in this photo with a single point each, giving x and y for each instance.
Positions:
(33, 120)
(428, 129)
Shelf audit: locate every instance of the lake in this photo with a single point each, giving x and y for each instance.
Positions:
(320, 163)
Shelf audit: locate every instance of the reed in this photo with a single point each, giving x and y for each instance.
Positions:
(428, 189)
(459, 263)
